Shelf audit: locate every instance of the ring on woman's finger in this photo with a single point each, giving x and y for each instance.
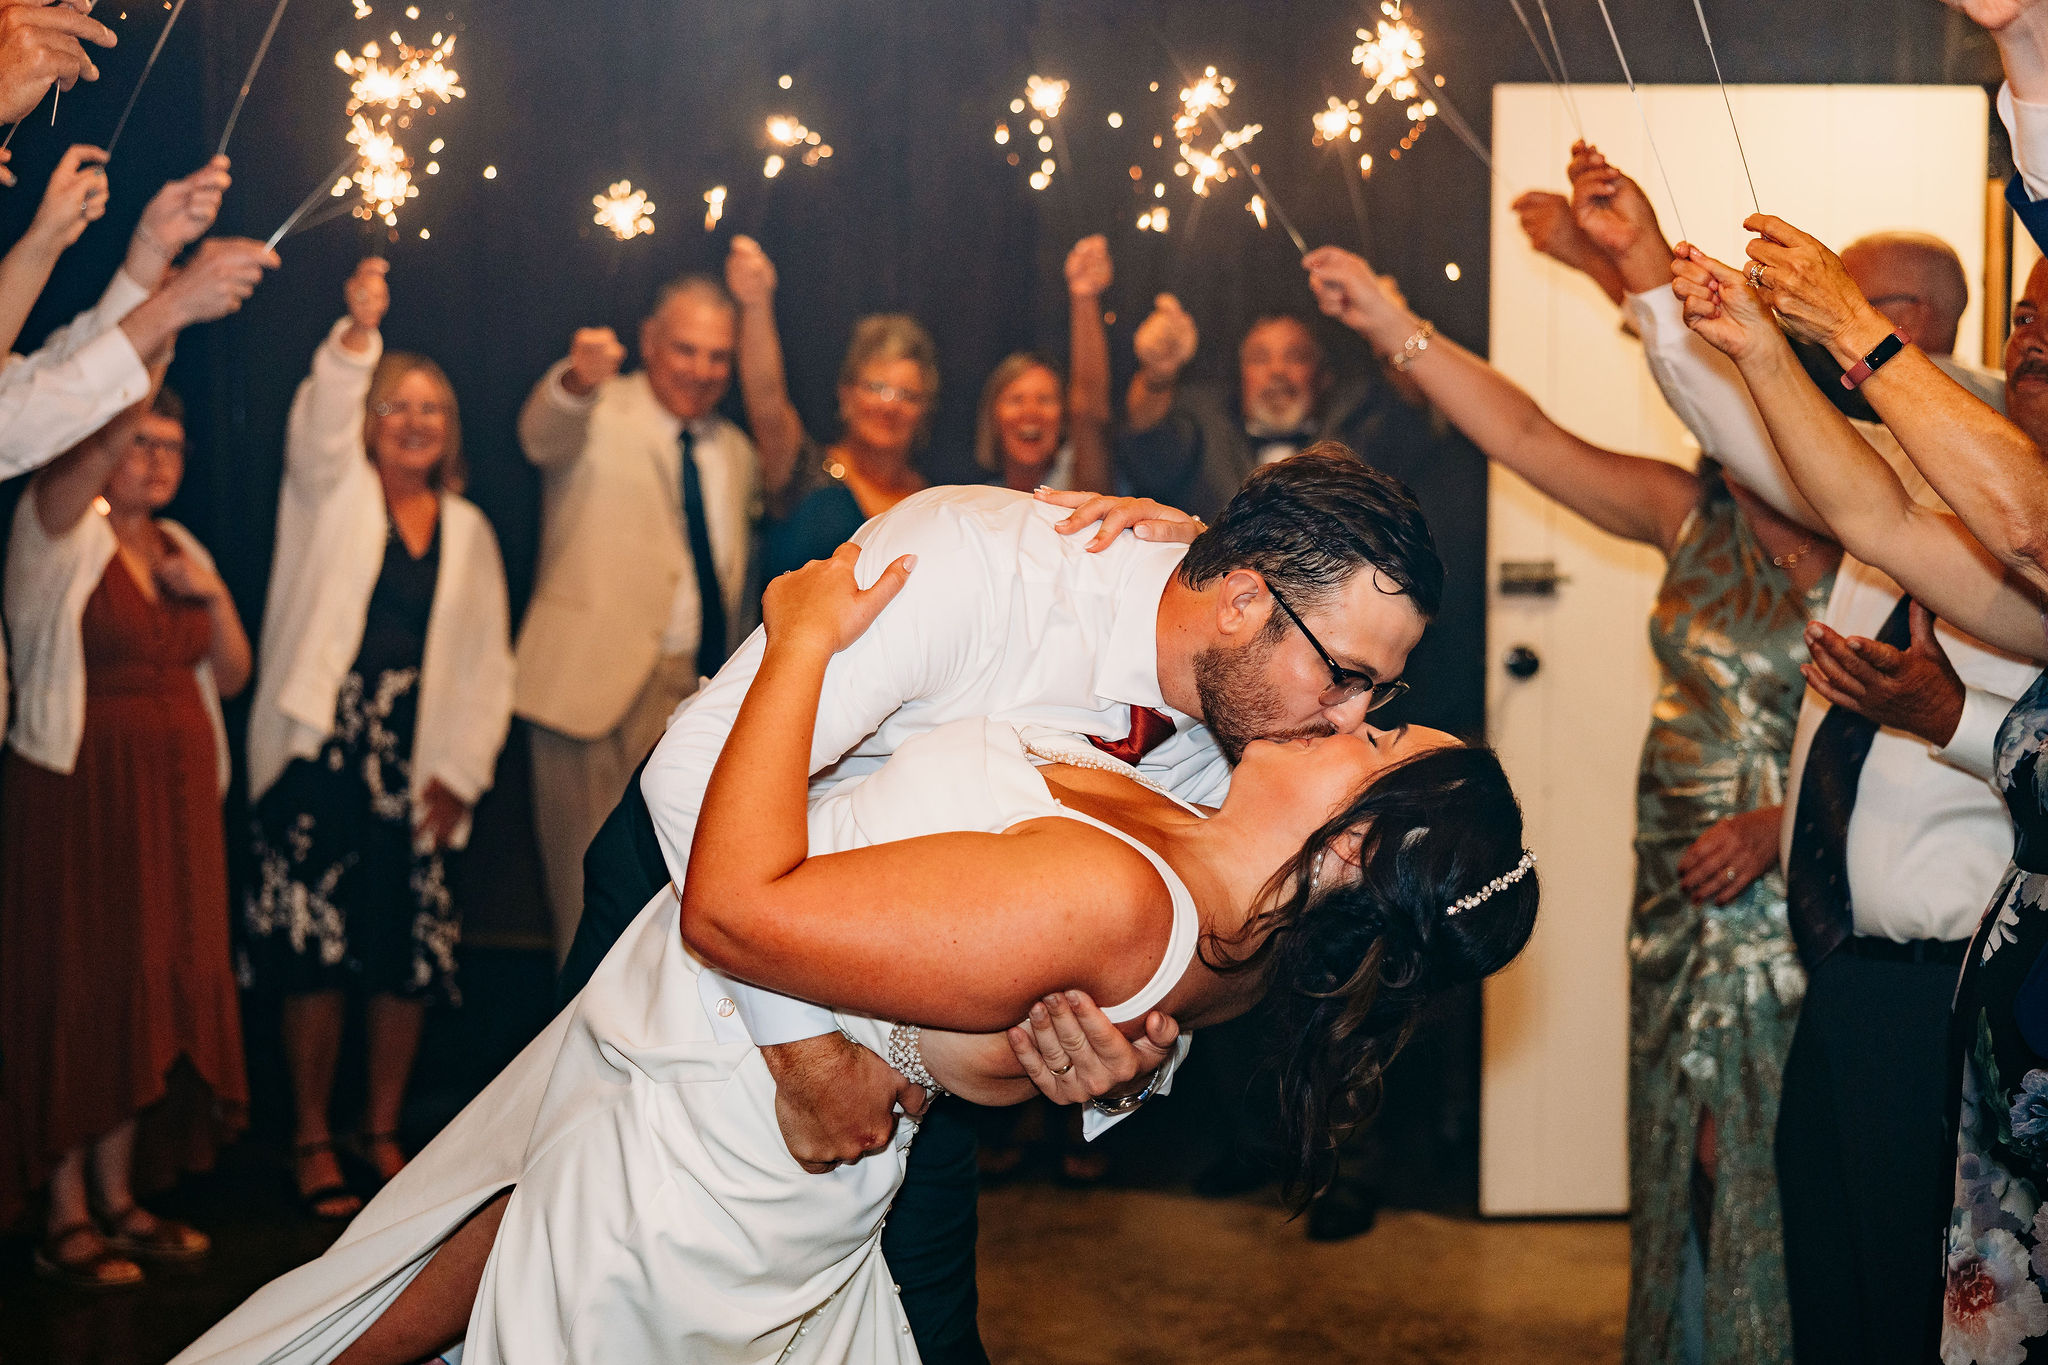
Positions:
(1062, 1070)
(1755, 275)
(1728, 875)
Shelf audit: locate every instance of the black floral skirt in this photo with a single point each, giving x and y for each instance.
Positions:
(341, 898)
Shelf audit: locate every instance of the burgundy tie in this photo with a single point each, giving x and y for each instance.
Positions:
(1149, 729)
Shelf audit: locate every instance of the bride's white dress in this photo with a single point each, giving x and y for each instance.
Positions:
(657, 1215)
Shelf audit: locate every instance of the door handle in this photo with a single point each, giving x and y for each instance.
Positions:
(1522, 662)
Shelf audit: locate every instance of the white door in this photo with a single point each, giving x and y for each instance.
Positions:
(1837, 161)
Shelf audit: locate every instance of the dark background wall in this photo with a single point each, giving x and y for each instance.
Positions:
(917, 209)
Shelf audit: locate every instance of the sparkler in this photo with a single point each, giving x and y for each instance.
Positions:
(1044, 98)
(262, 49)
(1391, 55)
(339, 177)
(1557, 83)
(1153, 219)
(787, 131)
(1739, 149)
(626, 212)
(1644, 115)
(1256, 207)
(714, 206)
(1337, 122)
(1199, 101)
(383, 172)
(148, 66)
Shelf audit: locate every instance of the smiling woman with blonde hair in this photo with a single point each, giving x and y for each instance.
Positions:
(384, 696)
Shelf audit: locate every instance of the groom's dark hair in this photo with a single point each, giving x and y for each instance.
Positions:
(1308, 523)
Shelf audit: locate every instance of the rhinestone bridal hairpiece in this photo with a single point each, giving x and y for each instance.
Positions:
(1500, 883)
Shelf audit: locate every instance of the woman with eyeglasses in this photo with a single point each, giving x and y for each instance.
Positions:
(383, 697)
(1715, 983)
(118, 1015)
(888, 389)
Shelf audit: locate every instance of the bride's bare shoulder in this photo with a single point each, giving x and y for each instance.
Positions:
(1089, 872)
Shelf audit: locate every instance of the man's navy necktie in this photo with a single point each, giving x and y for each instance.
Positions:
(1817, 867)
(711, 601)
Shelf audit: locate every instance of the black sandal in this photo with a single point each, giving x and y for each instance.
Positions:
(319, 1201)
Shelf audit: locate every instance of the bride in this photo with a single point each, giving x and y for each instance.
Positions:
(622, 1193)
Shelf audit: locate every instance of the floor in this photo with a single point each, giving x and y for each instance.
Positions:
(1138, 1270)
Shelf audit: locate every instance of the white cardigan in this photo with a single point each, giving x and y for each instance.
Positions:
(49, 579)
(331, 532)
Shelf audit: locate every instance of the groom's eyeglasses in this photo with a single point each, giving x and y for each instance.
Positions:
(1346, 684)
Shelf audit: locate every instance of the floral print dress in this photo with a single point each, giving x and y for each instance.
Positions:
(341, 897)
(1994, 1311)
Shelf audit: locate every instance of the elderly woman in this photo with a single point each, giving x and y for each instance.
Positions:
(1026, 411)
(385, 695)
(117, 1001)
(888, 386)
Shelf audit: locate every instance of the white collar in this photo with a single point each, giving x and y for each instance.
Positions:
(1127, 669)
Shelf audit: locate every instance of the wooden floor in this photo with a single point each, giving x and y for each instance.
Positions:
(1137, 1277)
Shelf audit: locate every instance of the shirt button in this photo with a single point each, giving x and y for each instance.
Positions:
(726, 1007)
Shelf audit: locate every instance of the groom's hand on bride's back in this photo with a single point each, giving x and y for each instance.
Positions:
(835, 1101)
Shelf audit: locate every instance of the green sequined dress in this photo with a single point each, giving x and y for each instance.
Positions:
(1714, 991)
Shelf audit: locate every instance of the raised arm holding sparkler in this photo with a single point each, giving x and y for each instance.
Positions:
(75, 198)
(41, 46)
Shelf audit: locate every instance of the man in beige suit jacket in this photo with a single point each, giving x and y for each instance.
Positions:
(614, 637)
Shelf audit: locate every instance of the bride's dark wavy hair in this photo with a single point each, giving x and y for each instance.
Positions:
(1351, 966)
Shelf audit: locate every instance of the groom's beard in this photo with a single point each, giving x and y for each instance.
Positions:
(1238, 705)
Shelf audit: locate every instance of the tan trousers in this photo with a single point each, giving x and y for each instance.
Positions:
(577, 782)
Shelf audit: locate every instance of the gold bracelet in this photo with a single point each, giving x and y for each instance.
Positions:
(1414, 346)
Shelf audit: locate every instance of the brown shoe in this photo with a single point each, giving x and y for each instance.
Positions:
(137, 1233)
(78, 1257)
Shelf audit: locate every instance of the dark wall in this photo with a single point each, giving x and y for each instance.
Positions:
(915, 211)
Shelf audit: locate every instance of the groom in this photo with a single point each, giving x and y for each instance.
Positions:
(1293, 616)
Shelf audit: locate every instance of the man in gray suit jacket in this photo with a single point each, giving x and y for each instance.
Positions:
(648, 501)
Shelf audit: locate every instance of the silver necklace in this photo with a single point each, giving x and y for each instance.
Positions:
(1102, 763)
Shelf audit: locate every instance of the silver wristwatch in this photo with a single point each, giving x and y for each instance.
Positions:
(1125, 1104)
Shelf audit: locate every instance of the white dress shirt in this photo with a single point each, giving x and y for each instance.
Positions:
(2026, 125)
(1004, 618)
(83, 375)
(1929, 837)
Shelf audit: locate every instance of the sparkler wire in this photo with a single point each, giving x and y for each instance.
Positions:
(1557, 51)
(1739, 149)
(1463, 129)
(1644, 114)
(262, 48)
(1258, 180)
(147, 67)
(1564, 95)
(320, 191)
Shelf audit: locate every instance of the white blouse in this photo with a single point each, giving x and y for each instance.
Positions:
(49, 580)
(331, 534)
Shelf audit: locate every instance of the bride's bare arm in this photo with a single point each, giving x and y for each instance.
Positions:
(958, 931)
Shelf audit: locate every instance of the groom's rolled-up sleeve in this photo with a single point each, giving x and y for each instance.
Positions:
(920, 644)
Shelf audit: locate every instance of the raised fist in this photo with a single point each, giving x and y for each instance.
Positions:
(368, 292)
(595, 355)
(1166, 340)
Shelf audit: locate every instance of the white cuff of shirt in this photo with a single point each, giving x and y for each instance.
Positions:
(124, 295)
(1094, 1123)
(561, 397)
(2027, 126)
(1973, 748)
(773, 1020)
(1653, 309)
(108, 365)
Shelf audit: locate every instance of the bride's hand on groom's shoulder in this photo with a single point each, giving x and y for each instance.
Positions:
(1073, 1053)
(823, 606)
(1142, 517)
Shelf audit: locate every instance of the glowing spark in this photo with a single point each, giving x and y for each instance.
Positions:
(714, 204)
(383, 173)
(772, 167)
(1153, 219)
(624, 211)
(433, 168)
(1209, 168)
(1257, 208)
(1037, 126)
(1196, 101)
(1039, 180)
(1016, 106)
(414, 77)
(1045, 144)
(1002, 134)
(785, 131)
(1336, 122)
(1451, 271)
(362, 10)
(425, 235)
(1045, 96)
(1365, 164)
(437, 144)
(784, 81)
(1116, 120)
(490, 172)
(1390, 55)
(412, 11)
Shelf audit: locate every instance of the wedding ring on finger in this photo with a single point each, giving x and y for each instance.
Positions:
(1728, 874)
(1062, 1070)
(1755, 275)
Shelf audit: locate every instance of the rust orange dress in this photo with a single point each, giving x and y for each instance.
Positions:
(117, 992)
